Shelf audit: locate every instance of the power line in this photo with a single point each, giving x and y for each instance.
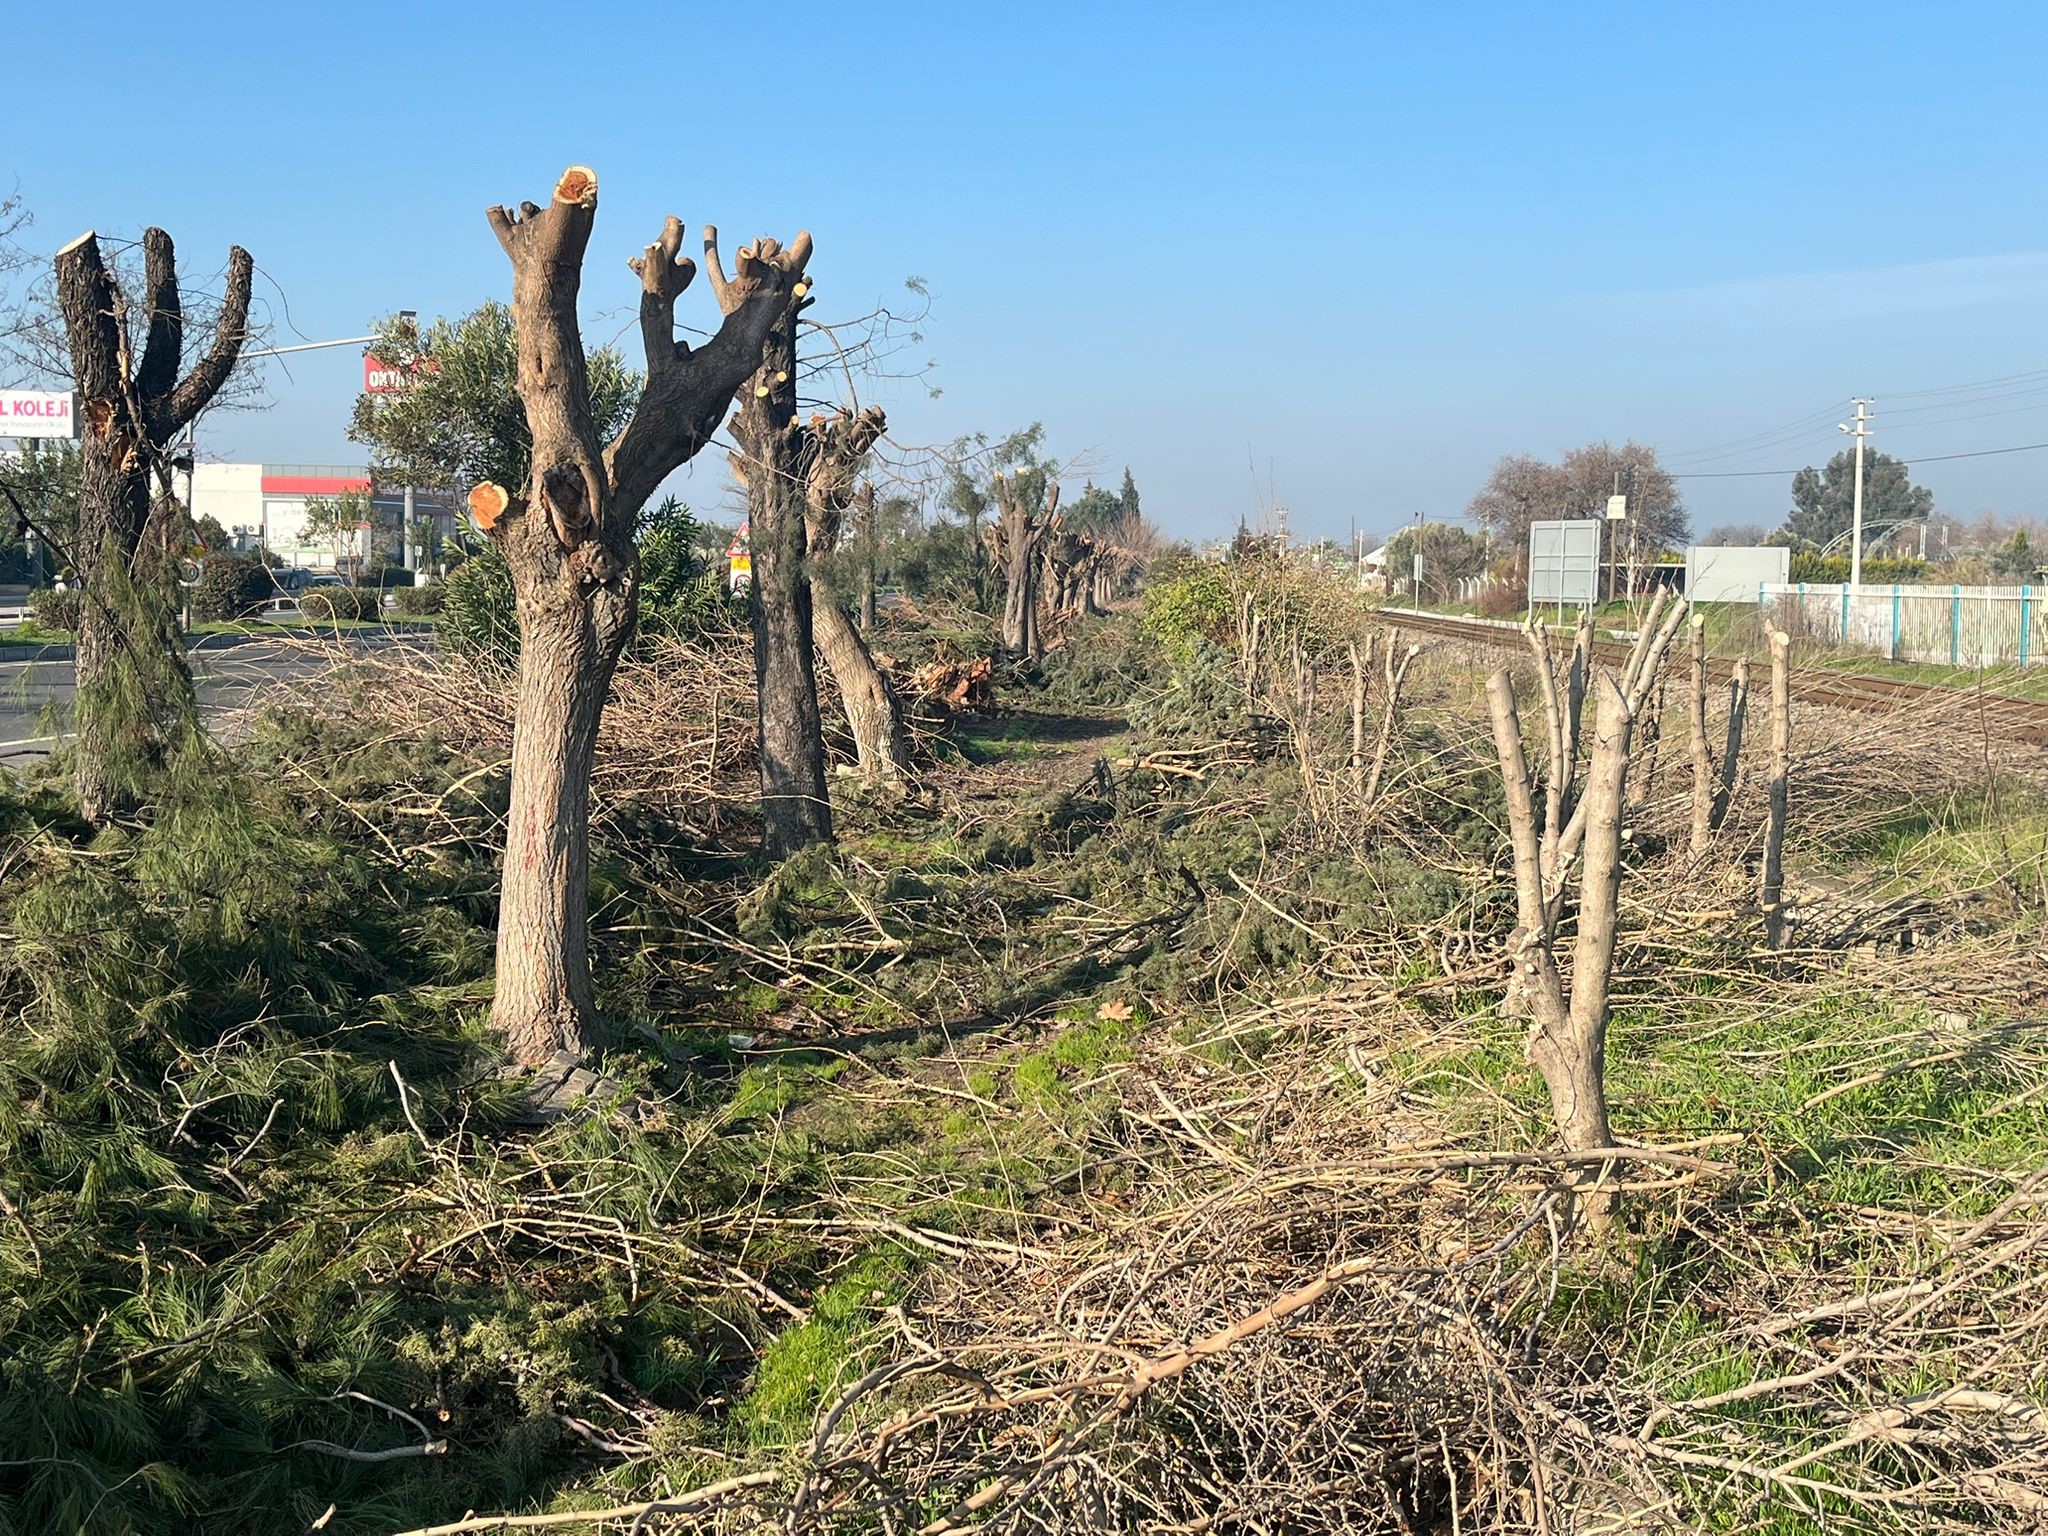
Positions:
(1930, 458)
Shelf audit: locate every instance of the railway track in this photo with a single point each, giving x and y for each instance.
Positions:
(2003, 716)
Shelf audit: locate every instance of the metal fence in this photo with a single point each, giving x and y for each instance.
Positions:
(1962, 626)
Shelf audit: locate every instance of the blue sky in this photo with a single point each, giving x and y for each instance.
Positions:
(1370, 249)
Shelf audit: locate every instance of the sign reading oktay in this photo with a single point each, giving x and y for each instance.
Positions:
(37, 413)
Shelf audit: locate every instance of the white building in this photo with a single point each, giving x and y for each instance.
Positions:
(263, 507)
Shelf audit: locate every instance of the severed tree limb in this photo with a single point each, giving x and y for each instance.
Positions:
(1702, 757)
(1558, 765)
(1643, 784)
(682, 1503)
(1397, 675)
(1361, 662)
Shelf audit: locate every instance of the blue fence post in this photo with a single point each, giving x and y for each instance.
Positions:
(2026, 601)
(1845, 613)
(1955, 628)
(1895, 621)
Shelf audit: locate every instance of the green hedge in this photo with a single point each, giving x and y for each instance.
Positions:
(1807, 566)
(414, 602)
(230, 587)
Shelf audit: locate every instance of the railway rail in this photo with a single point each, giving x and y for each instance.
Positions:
(1999, 714)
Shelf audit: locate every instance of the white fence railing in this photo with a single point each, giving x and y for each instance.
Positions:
(1962, 626)
(1472, 588)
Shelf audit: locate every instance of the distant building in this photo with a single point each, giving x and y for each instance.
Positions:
(263, 507)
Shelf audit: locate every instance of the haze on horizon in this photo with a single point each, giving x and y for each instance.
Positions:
(1369, 255)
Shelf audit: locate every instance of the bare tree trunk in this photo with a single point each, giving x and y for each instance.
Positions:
(134, 690)
(1731, 750)
(796, 810)
(799, 479)
(1702, 755)
(1582, 1107)
(1581, 675)
(872, 711)
(1781, 790)
(544, 1002)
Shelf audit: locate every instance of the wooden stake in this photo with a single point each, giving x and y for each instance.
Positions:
(1781, 790)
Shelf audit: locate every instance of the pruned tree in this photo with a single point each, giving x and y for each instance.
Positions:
(1568, 1023)
(568, 540)
(1027, 502)
(776, 454)
(136, 395)
(1397, 661)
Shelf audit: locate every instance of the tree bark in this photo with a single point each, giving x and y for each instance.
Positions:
(134, 689)
(545, 1002)
(869, 534)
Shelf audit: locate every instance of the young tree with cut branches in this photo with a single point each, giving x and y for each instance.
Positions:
(1573, 821)
(568, 539)
(136, 396)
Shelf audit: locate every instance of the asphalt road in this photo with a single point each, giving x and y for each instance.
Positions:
(228, 680)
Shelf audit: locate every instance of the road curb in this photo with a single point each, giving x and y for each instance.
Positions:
(65, 651)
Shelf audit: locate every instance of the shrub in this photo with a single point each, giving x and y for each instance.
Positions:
(414, 602)
(681, 594)
(1194, 603)
(52, 609)
(1499, 600)
(327, 605)
(479, 616)
(230, 587)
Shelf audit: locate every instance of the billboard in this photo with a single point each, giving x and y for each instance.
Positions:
(1564, 562)
(1734, 573)
(382, 378)
(37, 413)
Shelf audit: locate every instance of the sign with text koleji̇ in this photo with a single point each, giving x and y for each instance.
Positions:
(37, 413)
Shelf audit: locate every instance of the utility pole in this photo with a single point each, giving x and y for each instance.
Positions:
(1860, 431)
